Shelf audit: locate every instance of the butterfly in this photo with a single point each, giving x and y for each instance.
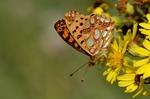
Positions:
(89, 34)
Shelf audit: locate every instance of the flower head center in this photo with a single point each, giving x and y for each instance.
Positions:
(116, 59)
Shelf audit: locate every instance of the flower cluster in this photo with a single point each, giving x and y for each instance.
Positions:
(128, 57)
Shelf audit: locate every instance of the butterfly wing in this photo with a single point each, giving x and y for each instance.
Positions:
(93, 33)
(61, 28)
(70, 17)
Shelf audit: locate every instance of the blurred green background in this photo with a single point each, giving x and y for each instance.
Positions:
(35, 62)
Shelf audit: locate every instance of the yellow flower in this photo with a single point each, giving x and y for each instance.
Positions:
(146, 26)
(136, 50)
(115, 60)
(144, 63)
(131, 36)
(141, 65)
(133, 83)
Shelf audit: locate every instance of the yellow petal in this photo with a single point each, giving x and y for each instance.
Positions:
(141, 62)
(109, 76)
(120, 44)
(144, 69)
(126, 77)
(146, 44)
(148, 37)
(125, 61)
(115, 74)
(125, 83)
(125, 47)
(127, 37)
(144, 31)
(131, 88)
(148, 17)
(137, 50)
(128, 70)
(114, 78)
(106, 71)
(114, 46)
(145, 93)
(134, 30)
(145, 25)
(134, 88)
(146, 73)
(140, 90)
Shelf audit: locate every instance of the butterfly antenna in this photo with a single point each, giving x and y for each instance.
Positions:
(84, 74)
(78, 69)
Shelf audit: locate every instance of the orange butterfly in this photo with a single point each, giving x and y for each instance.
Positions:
(89, 34)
